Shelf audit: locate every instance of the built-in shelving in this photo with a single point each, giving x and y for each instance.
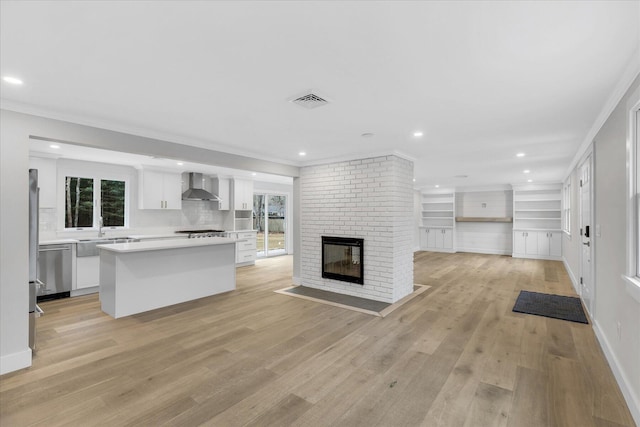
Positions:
(537, 221)
(438, 222)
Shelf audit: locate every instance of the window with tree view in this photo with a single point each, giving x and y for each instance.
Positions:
(80, 200)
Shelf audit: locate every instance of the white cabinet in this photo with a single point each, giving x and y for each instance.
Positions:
(221, 189)
(436, 239)
(245, 248)
(525, 243)
(537, 244)
(159, 190)
(87, 272)
(243, 194)
(549, 243)
(438, 210)
(537, 208)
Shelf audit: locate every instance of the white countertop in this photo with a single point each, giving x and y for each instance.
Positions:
(156, 245)
(57, 241)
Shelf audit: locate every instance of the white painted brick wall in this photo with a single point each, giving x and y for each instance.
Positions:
(371, 199)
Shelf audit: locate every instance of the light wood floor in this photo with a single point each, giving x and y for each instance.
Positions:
(454, 356)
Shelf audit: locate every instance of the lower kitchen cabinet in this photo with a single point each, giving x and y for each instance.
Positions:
(436, 239)
(87, 272)
(537, 244)
(245, 248)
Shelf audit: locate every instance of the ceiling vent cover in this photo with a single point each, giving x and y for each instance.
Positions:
(310, 100)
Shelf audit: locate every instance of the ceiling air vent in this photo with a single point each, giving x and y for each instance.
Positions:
(310, 100)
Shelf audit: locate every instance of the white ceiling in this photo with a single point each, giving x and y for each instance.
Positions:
(482, 80)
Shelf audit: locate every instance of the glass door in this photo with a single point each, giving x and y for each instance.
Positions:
(270, 222)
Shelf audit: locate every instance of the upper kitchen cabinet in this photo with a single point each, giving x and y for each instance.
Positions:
(47, 180)
(221, 189)
(159, 190)
(242, 194)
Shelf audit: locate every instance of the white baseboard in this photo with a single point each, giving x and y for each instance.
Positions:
(488, 251)
(574, 282)
(629, 396)
(14, 361)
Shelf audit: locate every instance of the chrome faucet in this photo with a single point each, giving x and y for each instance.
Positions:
(100, 224)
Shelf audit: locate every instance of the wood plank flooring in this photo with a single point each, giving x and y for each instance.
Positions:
(456, 355)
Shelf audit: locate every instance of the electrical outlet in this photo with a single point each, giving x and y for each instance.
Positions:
(619, 327)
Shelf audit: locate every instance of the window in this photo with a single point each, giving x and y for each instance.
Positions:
(566, 206)
(632, 277)
(81, 198)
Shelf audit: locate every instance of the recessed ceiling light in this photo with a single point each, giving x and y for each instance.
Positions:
(368, 135)
(302, 153)
(12, 80)
(526, 171)
(529, 180)
(520, 155)
(54, 146)
(418, 134)
(253, 174)
(437, 186)
(180, 163)
(414, 180)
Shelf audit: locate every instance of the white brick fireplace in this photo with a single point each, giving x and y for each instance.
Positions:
(370, 199)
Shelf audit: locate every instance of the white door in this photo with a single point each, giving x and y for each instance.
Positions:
(531, 243)
(555, 243)
(431, 237)
(519, 242)
(448, 239)
(586, 233)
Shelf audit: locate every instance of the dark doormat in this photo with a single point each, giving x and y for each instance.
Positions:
(555, 306)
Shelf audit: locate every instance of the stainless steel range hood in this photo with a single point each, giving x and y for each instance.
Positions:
(196, 192)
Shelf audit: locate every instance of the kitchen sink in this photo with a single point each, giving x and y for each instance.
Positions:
(88, 247)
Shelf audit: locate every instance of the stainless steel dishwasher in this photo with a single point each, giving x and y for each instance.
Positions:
(55, 265)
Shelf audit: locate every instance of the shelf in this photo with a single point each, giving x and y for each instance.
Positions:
(538, 219)
(437, 226)
(483, 219)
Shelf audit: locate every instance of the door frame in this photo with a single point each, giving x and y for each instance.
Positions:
(588, 156)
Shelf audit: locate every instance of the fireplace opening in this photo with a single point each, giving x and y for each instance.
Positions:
(343, 259)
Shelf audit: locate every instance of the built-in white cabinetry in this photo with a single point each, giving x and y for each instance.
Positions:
(159, 190)
(221, 189)
(246, 247)
(47, 180)
(436, 239)
(87, 272)
(243, 194)
(537, 212)
(438, 222)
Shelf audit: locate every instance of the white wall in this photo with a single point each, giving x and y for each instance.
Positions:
(14, 244)
(484, 237)
(371, 199)
(613, 303)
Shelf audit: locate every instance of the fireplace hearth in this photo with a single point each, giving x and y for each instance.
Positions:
(343, 259)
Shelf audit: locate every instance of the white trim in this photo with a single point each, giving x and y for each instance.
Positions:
(632, 285)
(14, 361)
(358, 156)
(627, 391)
(502, 187)
(485, 251)
(629, 75)
(572, 277)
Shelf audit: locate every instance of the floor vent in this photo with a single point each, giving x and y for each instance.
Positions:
(310, 100)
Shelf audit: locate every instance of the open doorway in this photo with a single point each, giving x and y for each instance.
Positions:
(270, 222)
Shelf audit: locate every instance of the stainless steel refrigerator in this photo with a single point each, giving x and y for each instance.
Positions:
(34, 283)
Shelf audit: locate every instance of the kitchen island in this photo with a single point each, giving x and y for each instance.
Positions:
(141, 276)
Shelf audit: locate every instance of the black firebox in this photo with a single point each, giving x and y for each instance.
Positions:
(343, 259)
